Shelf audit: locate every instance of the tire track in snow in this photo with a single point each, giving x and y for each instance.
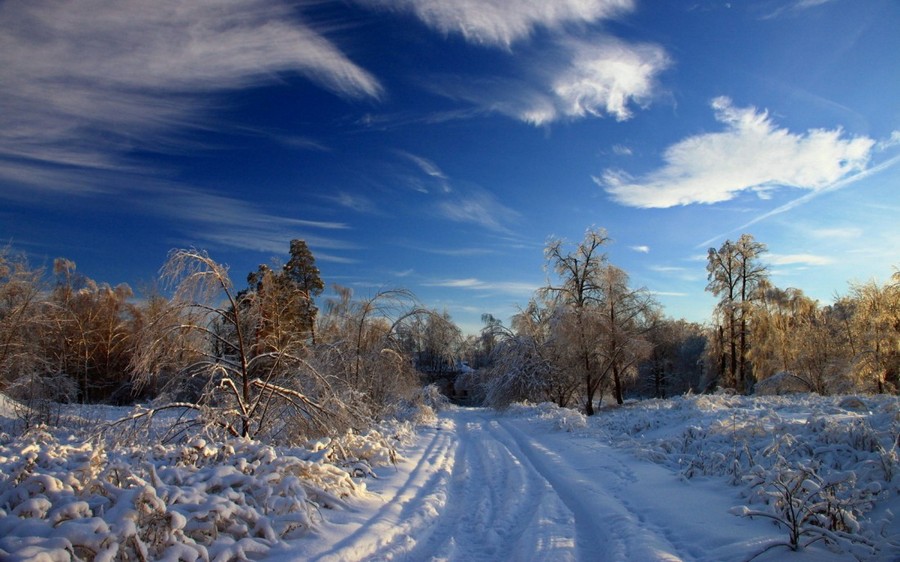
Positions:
(407, 512)
(469, 497)
(483, 490)
(606, 528)
(498, 508)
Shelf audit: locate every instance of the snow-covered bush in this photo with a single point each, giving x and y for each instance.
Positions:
(812, 508)
(564, 419)
(824, 467)
(37, 399)
(434, 398)
(781, 383)
(196, 501)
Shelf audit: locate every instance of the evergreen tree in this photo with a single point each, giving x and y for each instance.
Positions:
(303, 276)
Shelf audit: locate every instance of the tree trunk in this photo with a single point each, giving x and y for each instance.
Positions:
(732, 375)
(742, 387)
(589, 405)
(618, 384)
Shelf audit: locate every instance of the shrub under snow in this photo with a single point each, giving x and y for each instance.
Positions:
(65, 500)
(825, 469)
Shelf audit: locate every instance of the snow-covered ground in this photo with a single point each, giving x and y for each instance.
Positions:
(538, 483)
(664, 480)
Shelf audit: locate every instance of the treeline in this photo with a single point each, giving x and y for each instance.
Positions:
(261, 361)
(590, 334)
(764, 334)
(258, 359)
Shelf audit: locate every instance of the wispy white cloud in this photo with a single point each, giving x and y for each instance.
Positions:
(87, 81)
(425, 165)
(798, 259)
(641, 249)
(431, 170)
(477, 207)
(668, 268)
(456, 252)
(471, 283)
(668, 294)
(301, 143)
(355, 202)
(691, 274)
(803, 4)
(751, 154)
(891, 141)
(502, 22)
(846, 233)
(202, 217)
(467, 283)
(572, 79)
(606, 77)
(840, 184)
(468, 204)
(794, 7)
(622, 150)
(404, 273)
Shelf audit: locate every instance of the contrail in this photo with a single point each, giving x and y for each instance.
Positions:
(808, 197)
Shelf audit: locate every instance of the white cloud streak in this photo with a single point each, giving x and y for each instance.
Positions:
(475, 284)
(797, 259)
(469, 205)
(668, 268)
(891, 141)
(480, 208)
(425, 165)
(574, 79)
(605, 77)
(205, 217)
(809, 197)
(795, 7)
(86, 81)
(751, 154)
(503, 22)
(846, 233)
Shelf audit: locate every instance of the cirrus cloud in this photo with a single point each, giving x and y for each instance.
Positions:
(798, 259)
(502, 22)
(474, 284)
(87, 81)
(751, 154)
(606, 77)
(574, 79)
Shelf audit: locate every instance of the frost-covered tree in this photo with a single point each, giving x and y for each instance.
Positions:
(627, 315)
(364, 344)
(537, 324)
(529, 361)
(788, 329)
(286, 299)
(578, 289)
(875, 333)
(22, 321)
(245, 391)
(734, 272)
(676, 362)
(91, 331)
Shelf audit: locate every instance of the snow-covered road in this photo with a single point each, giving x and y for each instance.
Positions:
(649, 481)
(482, 486)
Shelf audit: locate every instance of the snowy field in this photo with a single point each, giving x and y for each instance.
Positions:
(715, 478)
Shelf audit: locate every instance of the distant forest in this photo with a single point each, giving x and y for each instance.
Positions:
(246, 358)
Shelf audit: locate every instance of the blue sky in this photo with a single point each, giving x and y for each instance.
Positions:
(435, 145)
